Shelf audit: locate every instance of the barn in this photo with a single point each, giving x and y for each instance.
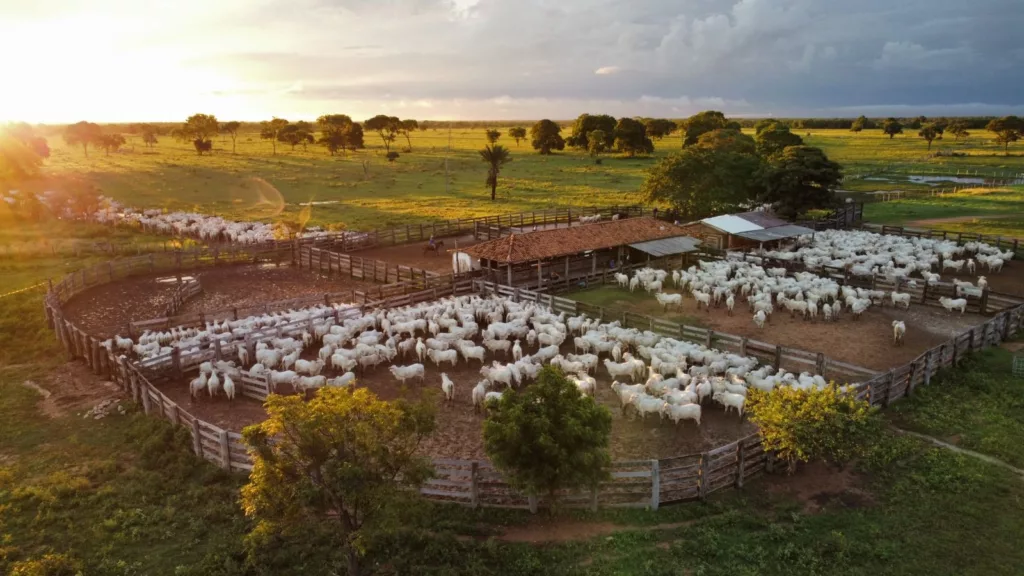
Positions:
(536, 259)
(743, 231)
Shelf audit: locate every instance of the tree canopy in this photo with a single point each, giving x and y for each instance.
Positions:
(859, 124)
(200, 128)
(345, 461)
(298, 133)
(495, 156)
(1007, 129)
(727, 139)
(773, 139)
(929, 133)
(406, 128)
(546, 136)
(517, 133)
(339, 132)
(958, 128)
(18, 160)
(271, 130)
(658, 128)
(631, 137)
(492, 136)
(701, 123)
(718, 176)
(801, 178)
(387, 127)
(892, 127)
(84, 134)
(587, 123)
(110, 142)
(802, 425)
(548, 437)
(231, 129)
(597, 139)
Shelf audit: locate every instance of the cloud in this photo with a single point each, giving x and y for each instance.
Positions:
(911, 55)
(607, 70)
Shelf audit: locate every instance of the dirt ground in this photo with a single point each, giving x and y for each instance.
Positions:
(866, 342)
(107, 309)
(819, 486)
(72, 388)
(458, 433)
(414, 256)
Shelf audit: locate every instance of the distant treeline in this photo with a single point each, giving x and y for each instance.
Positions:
(973, 122)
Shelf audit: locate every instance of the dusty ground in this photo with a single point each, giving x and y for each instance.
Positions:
(866, 342)
(818, 486)
(458, 433)
(107, 309)
(413, 254)
(72, 388)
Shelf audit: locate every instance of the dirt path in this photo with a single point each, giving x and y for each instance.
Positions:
(972, 453)
(953, 219)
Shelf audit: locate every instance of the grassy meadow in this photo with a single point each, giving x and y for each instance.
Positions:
(997, 211)
(361, 190)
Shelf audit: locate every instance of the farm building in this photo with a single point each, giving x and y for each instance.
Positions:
(743, 231)
(565, 254)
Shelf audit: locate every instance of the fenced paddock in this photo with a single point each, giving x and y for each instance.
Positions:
(647, 483)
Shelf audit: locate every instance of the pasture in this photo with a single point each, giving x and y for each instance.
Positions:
(362, 190)
(979, 210)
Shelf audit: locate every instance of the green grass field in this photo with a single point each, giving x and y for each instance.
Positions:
(997, 211)
(253, 184)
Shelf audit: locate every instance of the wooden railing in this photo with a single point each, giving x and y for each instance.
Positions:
(183, 292)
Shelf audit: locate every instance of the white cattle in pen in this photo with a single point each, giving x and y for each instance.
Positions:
(439, 357)
(448, 388)
(951, 304)
(899, 329)
(403, 373)
(667, 300)
(677, 412)
(345, 379)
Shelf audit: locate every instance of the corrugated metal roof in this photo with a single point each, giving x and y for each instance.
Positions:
(731, 224)
(762, 219)
(667, 246)
(776, 233)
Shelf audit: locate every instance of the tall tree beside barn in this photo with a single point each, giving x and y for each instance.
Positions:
(801, 178)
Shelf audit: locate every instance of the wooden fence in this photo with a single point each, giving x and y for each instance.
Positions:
(640, 483)
(183, 292)
(960, 237)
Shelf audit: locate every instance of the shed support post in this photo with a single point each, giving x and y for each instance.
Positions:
(510, 274)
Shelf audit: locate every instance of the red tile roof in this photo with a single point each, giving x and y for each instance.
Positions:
(543, 244)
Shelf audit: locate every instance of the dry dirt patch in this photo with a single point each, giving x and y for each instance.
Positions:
(72, 388)
(817, 486)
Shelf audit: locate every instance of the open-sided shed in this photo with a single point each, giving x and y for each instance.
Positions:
(743, 231)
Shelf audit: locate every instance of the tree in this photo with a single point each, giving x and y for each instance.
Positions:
(631, 137)
(800, 179)
(405, 127)
(344, 460)
(701, 123)
(958, 128)
(271, 130)
(1007, 129)
(231, 129)
(548, 437)
(496, 156)
(492, 136)
(587, 123)
(27, 135)
(802, 425)
(892, 127)
(149, 134)
(546, 136)
(518, 133)
(597, 140)
(940, 125)
(861, 123)
(392, 155)
(200, 129)
(658, 128)
(929, 133)
(297, 133)
(18, 161)
(763, 123)
(701, 181)
(775, 138)
(386, 126)
(727, 139)
(83, 133)
(339, 132)
(110, 142)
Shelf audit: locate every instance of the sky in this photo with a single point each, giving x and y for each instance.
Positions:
(162, 60)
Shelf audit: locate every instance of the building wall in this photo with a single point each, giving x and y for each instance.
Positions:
(708, 236)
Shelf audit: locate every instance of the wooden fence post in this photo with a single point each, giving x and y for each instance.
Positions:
(710, 338)
(743, 346)
(888, 388)
(913, 375)
(532, 501)
(702, 476)
(740, 458)
(474, 489)
(769, 462)
(655, 484)
(176, 361)
(778, 358)
(819, 364)
(144, 391)
(197, 438)
(217, 352)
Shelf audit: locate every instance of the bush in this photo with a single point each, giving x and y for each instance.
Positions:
(801, 425)
(392, 156)
(48, 565)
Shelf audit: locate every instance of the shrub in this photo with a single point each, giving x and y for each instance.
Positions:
(48, 565)
(801, 425)
(392, 156)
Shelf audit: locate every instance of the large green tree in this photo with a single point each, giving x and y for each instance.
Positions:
(271, 130)
(721, 175)
(597, 140)
(406, 128)
(1007, 129)
(587, 123)
(199, 129)
(861, 123)
(110, 143)
(83, 134)
(548, 437)
(339, 132)
(892, 127)
(517, 133)
(958, 128)
(773, 139)
(345, 462)
(231, 129)
(546, 136)
(492, 136)
(495, 156)
(929, 133)
(631, 137)
(298, 133)
(387, 127)
(801, 178)
(701, 123)
(658, 128)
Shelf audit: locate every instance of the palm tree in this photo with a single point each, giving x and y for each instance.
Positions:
(496, 156)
